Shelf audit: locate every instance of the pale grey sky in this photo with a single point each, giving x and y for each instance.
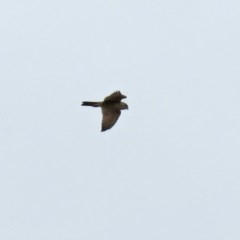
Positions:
(170, 167)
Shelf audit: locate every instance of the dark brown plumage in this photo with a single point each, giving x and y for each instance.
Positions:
(111, 108)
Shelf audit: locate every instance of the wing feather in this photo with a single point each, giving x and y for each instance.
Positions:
(110, 117)
(114, 97)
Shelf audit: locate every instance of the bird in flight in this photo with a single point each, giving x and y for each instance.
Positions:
(111, 108)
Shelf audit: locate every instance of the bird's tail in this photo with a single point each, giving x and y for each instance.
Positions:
(92, 104)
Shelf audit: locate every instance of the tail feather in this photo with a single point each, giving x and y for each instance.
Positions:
(92, 104)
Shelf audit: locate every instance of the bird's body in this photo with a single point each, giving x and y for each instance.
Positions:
(111, 108)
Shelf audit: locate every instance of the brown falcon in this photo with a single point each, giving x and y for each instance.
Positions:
(111, 108)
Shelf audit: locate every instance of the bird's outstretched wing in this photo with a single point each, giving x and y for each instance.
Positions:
(110, 117)
(114, 97)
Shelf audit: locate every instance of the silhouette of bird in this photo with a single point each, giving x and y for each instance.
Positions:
(111, 108)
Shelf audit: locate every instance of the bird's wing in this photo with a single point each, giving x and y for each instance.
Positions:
(114, 97)
(110, 117)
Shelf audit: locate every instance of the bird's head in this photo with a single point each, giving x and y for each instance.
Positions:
(124, 106)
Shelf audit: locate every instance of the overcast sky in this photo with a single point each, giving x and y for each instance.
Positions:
(169, 169)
